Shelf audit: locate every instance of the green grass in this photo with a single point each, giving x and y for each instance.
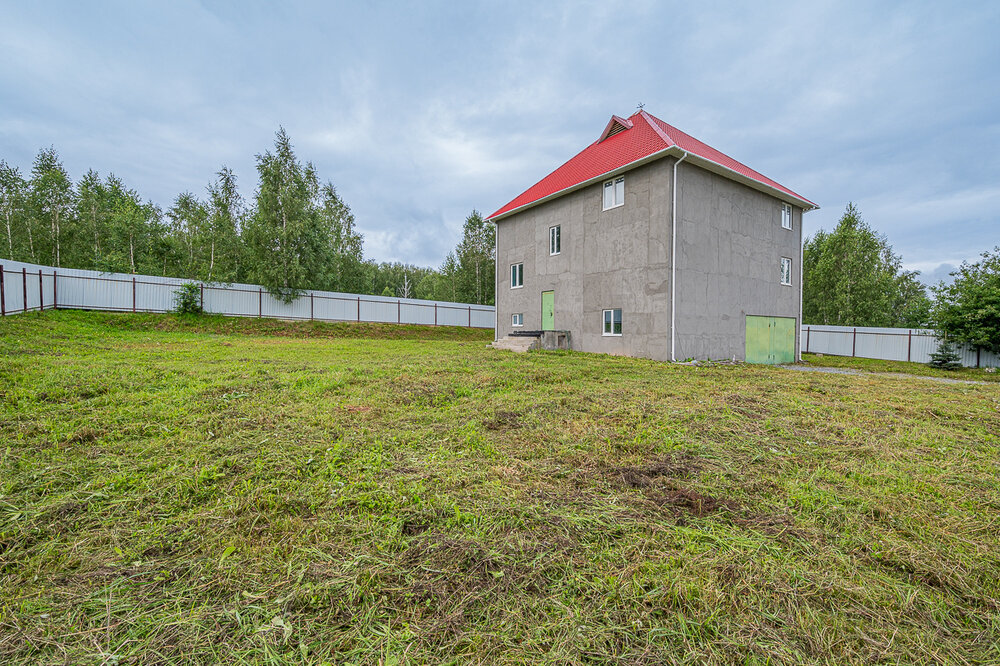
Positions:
(204, 490)
(905, 367)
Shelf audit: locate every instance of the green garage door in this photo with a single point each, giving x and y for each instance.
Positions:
(770, 339)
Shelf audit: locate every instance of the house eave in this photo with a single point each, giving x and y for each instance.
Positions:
(675, 151)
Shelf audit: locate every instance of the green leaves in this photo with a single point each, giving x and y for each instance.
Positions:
(968, 309)
(852, 278)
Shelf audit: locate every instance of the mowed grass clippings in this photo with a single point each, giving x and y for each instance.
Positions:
(202, 490)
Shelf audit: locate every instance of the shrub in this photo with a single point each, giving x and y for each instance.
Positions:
(188, 298)
(946, 357)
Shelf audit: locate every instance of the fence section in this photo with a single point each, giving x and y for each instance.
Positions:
(30, 287)
(891, 344)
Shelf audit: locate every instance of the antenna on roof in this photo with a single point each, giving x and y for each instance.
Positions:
(638, 107)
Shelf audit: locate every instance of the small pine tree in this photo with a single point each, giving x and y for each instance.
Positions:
(946, 357)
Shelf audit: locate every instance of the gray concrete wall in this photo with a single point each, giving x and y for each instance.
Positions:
(609, 259)
(730, 243)
(729, 247)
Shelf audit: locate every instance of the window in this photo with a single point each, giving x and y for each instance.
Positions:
(555, 240)
(613, 322)
(516, 276)
(786, 271)
(517, 319)
(786, 216)
(614, 193)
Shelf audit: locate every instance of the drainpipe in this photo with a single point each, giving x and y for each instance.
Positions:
(496, 282)
(673, 259)
(802, 283)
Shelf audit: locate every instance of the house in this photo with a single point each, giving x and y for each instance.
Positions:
(651, 243)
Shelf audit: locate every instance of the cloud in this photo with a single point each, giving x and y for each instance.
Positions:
(421, 113)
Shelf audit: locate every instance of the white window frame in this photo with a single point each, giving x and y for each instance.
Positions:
(604, 323)
(517, 275)
(782, 268)
(615, 202)
(786, 216)
(517, 319)
(555, 240)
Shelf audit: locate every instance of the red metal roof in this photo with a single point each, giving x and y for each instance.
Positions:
(644, 136)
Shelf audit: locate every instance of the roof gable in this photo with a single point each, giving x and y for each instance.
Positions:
(625, 142)
(615, 125)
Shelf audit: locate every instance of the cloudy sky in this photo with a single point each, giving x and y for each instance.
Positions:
(419, 112)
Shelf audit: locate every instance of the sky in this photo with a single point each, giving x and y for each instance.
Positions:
(420, 112)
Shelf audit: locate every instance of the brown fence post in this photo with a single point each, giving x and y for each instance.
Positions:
(399, 311)
(260, 302)
(808, 332)
(41, 297)
(435, 314)
(854, 345)
(978, 351)
(202, 304)
(55, 293)
(312, 307)
(470, 316)
(909, 343)
(359, 308)
(3, 301)
(133, 295)
(24, 284)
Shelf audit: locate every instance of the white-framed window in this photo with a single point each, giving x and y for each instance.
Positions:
(517, 319)
(613, 322)
(555, 240)
(786, 216)
(786, 271)
(516, 276)
(614, 193)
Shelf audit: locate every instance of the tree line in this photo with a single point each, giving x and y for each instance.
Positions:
(295, 233)
(852, 277)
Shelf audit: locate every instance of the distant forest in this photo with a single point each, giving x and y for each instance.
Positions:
(296, 233)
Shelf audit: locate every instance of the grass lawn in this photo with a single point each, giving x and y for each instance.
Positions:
(906, 367)
(253, 492)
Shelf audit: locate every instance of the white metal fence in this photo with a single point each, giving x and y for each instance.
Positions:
(891, 344)
(30, 287)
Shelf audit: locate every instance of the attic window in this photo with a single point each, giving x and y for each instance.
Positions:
(614, 126)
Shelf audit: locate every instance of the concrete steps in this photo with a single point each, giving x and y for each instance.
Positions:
(516, 343)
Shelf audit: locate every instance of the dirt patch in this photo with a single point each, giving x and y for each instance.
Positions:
(84, 435)
(503, 420)
(693, 502)
(414, 527)
(681, 466)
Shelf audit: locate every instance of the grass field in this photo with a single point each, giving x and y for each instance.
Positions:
(208, 490)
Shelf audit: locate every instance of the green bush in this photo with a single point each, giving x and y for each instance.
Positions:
(188, 298)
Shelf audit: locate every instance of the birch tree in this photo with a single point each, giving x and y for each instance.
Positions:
(13, 197)
(52, 200)
(286, 242)
(226, 212)
(91, 216)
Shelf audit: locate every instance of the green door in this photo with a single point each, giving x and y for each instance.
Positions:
(548, 310)
(770, 340)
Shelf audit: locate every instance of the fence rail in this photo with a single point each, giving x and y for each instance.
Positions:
(891, 344)
(30, 287)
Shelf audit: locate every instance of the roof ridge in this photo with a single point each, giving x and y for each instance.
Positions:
(651, 121)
